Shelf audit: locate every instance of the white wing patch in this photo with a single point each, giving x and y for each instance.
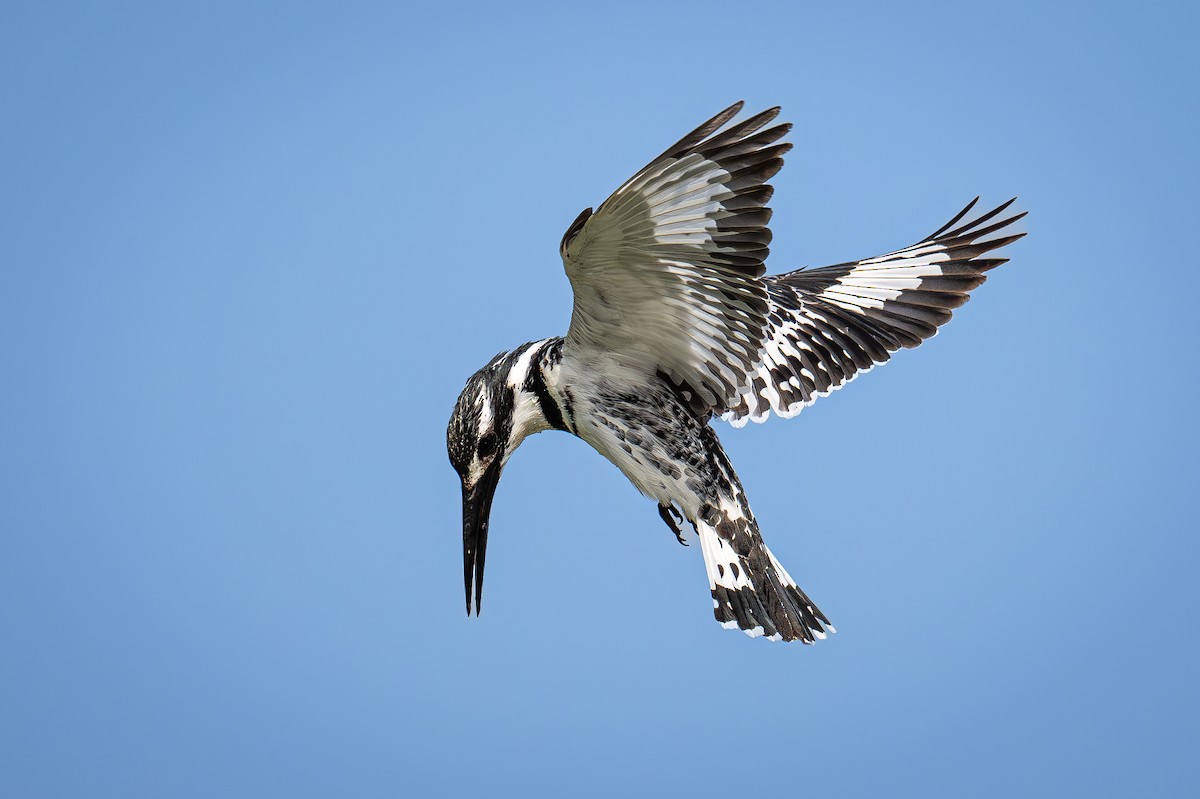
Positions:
(828, 326)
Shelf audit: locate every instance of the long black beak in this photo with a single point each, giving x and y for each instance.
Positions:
(477, 508)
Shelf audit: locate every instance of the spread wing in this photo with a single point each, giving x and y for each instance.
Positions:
(666, 273)
(829, 325)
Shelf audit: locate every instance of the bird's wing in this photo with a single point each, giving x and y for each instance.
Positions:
(829, 325)
(666, 273)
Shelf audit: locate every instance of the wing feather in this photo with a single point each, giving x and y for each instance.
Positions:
(666, 272)
(827, 326)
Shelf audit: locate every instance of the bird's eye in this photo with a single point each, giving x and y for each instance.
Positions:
(487, 445)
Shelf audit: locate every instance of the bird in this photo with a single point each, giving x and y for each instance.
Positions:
(674, 325)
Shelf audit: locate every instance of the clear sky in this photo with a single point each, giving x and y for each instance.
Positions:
(250, 254)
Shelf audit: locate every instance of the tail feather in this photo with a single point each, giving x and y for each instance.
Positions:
(751, 591)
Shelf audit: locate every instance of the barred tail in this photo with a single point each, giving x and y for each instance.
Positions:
(751, 591)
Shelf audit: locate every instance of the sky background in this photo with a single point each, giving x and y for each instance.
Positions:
(250, 253)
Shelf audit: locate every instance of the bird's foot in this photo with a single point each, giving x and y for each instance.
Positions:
(675, 523)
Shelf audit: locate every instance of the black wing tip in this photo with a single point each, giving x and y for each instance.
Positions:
(972, 229)
(736, 108)
(710, 130)
(978, 236)
(763, 117)
(953, 221)
(719, 120)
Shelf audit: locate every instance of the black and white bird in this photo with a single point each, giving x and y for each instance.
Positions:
(674, 323)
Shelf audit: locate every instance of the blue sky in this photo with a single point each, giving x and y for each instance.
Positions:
(251, 252)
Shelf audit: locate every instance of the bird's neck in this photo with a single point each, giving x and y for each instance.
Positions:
(540, 401)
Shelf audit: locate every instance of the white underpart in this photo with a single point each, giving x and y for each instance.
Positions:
(647, 478)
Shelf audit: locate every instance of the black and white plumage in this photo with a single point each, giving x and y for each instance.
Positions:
(673, 323)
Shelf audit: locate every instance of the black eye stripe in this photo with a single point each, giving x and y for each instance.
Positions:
(487, 445)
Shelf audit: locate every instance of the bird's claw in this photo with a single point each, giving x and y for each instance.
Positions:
(676, 523)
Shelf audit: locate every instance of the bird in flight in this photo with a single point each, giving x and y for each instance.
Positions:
(674, 323)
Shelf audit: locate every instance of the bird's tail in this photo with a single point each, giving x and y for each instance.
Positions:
(751, 590)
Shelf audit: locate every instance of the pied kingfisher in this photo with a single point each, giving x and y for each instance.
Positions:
(673, 323)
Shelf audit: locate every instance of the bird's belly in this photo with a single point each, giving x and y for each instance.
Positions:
(647, 470)
(650, 457)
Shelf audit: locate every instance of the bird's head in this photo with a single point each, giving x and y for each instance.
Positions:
(493, 415)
